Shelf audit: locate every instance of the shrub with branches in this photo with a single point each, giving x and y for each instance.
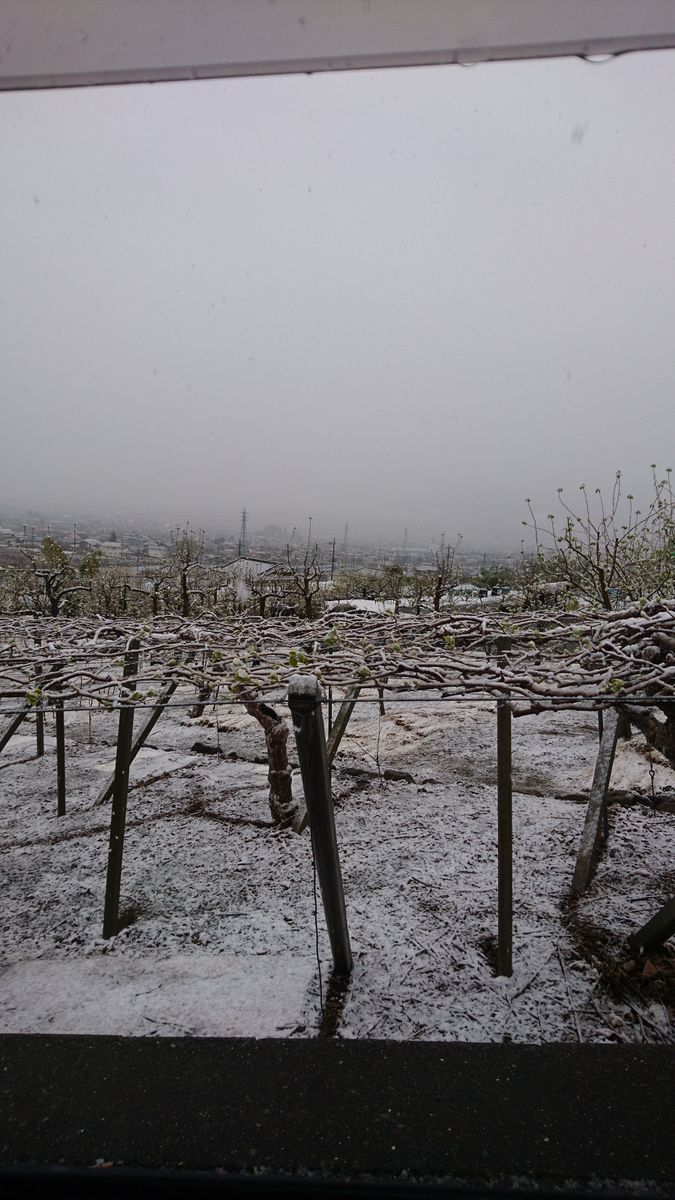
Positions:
(608, 549)
(445, 572)
(187, 550)
(53, 584)
(302, 582)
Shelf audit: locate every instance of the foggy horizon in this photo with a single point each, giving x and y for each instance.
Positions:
(398, 299)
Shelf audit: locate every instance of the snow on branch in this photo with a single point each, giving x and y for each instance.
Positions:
(554, 660)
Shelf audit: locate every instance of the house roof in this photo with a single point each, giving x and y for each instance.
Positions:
(249, 566)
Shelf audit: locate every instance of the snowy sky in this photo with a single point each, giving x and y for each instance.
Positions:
(394, 298)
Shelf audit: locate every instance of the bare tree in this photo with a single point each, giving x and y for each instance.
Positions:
(393, 581)
(303, 581)
(109, 592)
(446, 571)
(186, 556)
(157, 586)
(531, 578)
(606, 548)
(420, 586)
(266, 592)
(57, 580)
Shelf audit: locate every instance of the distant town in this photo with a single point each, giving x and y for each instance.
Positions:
(139, 542)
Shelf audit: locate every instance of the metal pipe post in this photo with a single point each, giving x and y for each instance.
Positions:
(304, 699)
(40, 733)
(120, 791)
(60, 759)
(504, 841)
(118, 818)
(39, 720)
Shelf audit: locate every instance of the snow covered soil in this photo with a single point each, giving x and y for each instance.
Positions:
(218, 906)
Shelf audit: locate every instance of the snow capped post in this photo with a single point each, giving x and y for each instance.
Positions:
(304, 699)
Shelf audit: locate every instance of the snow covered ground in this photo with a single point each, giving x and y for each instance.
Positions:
(218, 906)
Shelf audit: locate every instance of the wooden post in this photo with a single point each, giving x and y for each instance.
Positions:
(11, 729)
(142, 736)
(60, 759)
(597, 802)
(120, 791)
(304, 699)
(504, 841)
(341, 721)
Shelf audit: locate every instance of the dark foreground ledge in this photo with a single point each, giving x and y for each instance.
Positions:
(355, 1110)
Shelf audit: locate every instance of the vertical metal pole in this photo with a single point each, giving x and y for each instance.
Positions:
(504, 841)
(330, 710)
(40, 733)
(605, 807)
(118, 818)
(60, 759)
(304, 698)
(39, 720)
(120, 791)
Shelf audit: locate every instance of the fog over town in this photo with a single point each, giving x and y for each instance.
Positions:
(400, 301)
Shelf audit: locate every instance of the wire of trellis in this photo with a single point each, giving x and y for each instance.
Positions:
(554, 703)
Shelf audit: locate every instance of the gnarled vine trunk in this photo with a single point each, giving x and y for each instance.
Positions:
(282, 805)
(659, 734)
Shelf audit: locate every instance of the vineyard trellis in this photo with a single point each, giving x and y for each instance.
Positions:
(530, 664)
(554, 661)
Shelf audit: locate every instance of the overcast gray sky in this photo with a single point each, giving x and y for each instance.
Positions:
(397, 298)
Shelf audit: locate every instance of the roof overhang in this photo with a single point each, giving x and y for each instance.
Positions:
(70, 43)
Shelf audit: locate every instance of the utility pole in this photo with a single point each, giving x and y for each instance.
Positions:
(243, 535)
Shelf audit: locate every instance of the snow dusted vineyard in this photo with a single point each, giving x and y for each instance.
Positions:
(217, 932)
(556, 660)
